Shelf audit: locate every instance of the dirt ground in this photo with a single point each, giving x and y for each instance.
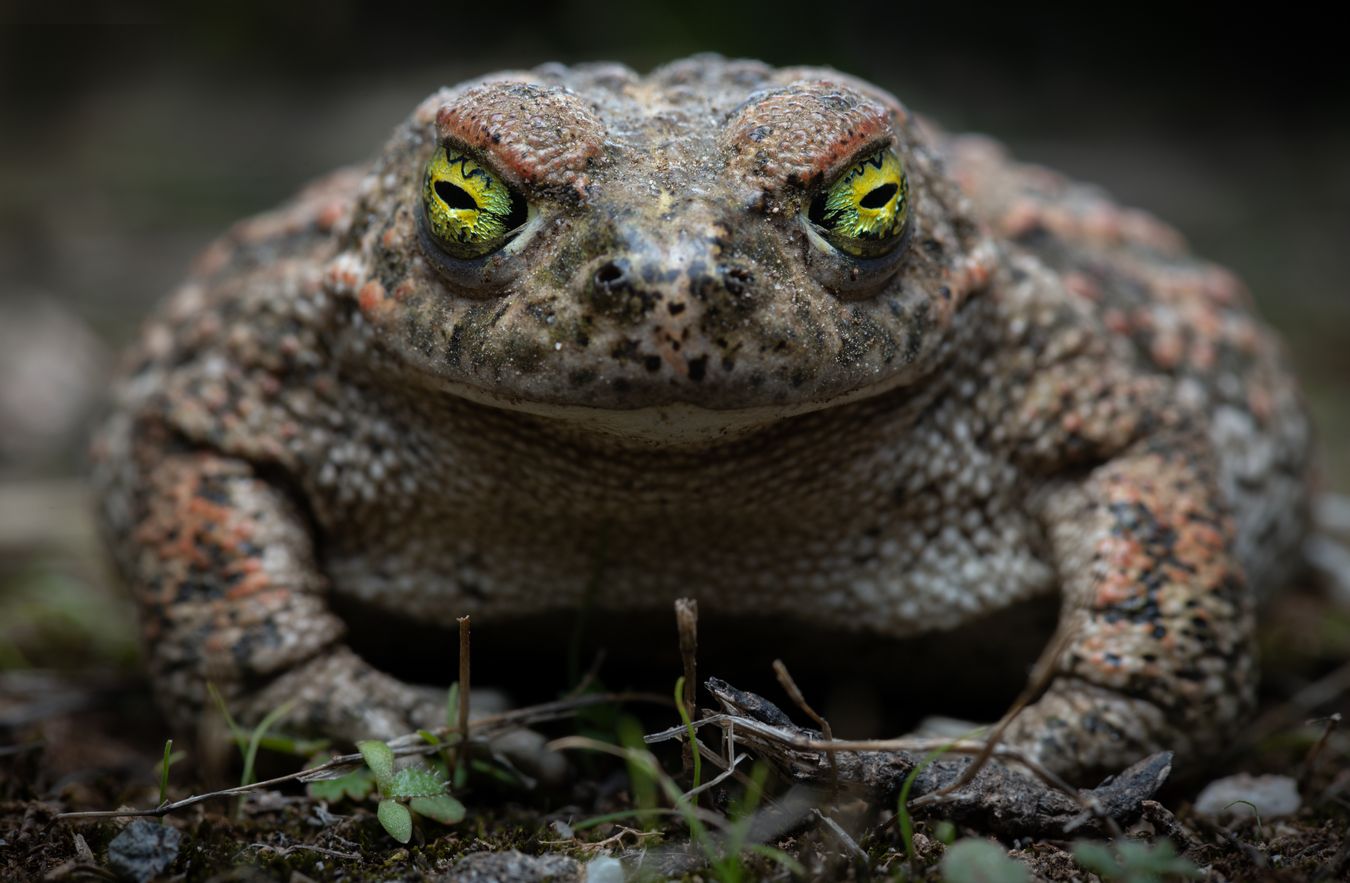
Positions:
(79, 732)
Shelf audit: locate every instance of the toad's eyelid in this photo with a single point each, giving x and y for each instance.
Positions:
(484, 161)
(874, 154)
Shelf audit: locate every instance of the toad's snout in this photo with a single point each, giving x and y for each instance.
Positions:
(669, 298)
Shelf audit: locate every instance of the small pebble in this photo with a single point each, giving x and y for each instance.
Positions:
(1273, 797)
(604, 869)
(143, 850)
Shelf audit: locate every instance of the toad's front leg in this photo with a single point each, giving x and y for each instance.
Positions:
(222, 565)
(1157, 620)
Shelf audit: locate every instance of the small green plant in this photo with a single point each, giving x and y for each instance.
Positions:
(171, 757)
(981, 861)
(689, 728)
(356, 785)
(407, 791)
(249, 741)
(1133, 861)
(725, 858)
(1256, 814)
(724, 849)
(642, 785)
(902, 816)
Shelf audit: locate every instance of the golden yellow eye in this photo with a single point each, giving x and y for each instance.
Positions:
(864, 212)
(470, 211)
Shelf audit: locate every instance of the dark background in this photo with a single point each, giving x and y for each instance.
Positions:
(129, 137)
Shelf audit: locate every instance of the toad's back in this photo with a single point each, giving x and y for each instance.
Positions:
(1186, 318)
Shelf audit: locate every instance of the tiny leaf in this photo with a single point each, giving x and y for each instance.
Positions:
(444, 809)
(356, 785)
(415, 782)
(380, 758)
(1095, 857)
(395, 819)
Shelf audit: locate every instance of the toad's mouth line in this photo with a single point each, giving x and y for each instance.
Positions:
(667, 423)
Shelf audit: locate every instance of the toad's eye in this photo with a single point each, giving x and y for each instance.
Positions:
(864, 212)
(470, 211)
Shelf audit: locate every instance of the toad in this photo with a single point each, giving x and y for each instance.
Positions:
(757, 336)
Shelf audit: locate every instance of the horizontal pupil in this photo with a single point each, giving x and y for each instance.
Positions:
(878, 196)
(454, 196)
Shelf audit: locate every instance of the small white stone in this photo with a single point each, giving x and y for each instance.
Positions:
(1273, 797)
(604, 869)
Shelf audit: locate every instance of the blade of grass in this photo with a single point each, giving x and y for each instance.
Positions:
(164, 773)
(255, 739)
(902, 810)
(689, 725)
(240, 737)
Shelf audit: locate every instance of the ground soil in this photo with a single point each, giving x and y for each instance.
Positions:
(89, 738)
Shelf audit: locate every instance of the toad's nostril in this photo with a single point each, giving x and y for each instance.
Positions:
(612, 275)
(737, 280)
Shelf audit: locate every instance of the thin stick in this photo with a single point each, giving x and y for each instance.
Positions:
(1301, 704)
(461, 751)
(402, 746)
(686, 623)
(1310, 759)
(1042, 674)
(850, 845)
(790, 686)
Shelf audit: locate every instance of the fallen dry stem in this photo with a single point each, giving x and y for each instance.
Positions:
(403, 746)
(916, 745)
(686, 624)
(463, 720)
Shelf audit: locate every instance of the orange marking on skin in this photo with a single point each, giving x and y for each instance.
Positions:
(371, 297)
(331, 215)
(1167, 350)
(1021, 217)
(1114, 591)
(548, 136)
(252, 584)
(1083, 286)
(1261, 402)
(1117, 321)
(342, 279)
(1203, 354)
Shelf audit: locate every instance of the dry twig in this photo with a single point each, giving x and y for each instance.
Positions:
(481, 730)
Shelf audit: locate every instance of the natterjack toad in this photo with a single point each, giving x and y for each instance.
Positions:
(757, 336)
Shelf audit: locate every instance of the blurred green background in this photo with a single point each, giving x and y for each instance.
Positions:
(130, 135)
